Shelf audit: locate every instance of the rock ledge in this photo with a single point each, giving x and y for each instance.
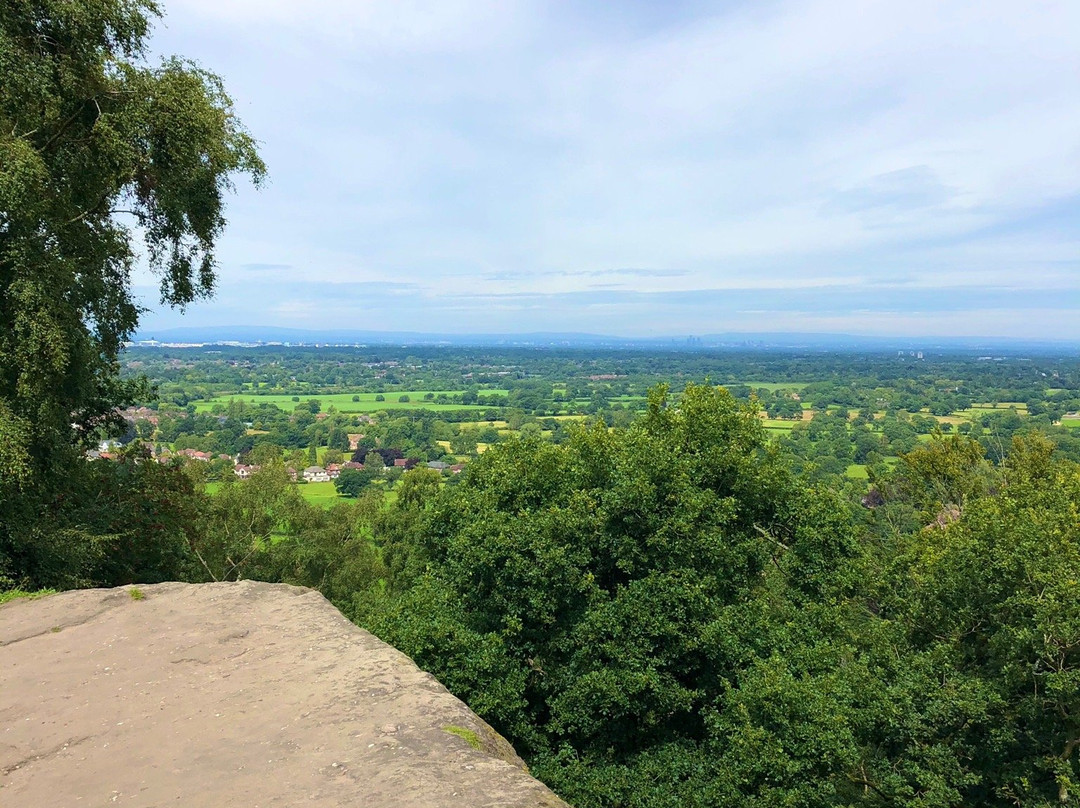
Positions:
(239, 694)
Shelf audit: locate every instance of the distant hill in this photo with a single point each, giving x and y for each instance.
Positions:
(253, 335)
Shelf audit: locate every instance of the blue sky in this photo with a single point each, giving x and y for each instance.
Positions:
(648, 168)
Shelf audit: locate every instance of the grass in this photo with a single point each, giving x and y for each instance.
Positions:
(136, 593)
(16, 594)
(979, 410)
(779, 424)
(343, 402)
(857, 471)
(955, 420)
(470, 737)
(1072, 423)
(322, 494)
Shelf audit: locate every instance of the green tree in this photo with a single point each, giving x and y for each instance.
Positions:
(94, 143)
(331, 551)
(243, 519)
(993, 596)
(374, 462)
(946, 471)
(603, 602)
(351, 482)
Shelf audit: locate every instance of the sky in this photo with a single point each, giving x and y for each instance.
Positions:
(647, 168)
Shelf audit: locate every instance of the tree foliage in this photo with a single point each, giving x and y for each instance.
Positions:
(95, 144)
(664, 616)
(602, 601)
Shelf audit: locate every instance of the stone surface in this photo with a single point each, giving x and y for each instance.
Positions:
(241, 694)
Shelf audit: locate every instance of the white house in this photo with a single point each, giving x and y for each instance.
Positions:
(316, 474)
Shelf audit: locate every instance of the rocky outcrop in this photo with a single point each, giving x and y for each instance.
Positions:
(242, 694)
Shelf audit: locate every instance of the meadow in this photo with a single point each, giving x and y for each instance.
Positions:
(324, 495)
(343, 402)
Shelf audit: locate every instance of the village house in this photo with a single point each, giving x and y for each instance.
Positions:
(141, 414)
(243, 471)
(333, 470)
(192, 454)
(316, 474)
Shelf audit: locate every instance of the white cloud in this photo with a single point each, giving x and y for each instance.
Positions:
(788, 145)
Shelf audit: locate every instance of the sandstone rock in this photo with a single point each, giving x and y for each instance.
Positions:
(244, 694)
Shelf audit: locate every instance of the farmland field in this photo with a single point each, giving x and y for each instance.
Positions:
(343, 402)
(979, 410)
(779, 424)
(322, 494)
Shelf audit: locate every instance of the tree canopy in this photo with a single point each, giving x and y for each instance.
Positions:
(666, 615)
(97, 147)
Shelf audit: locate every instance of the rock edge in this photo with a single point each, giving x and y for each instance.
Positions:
(222, 694)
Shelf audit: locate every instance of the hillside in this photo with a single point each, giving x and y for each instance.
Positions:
(231, 694)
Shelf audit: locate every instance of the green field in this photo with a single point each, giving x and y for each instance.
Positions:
(343, 402)
(857, 471)
(978, 410)
(779, 424)
(1072, 423)
(323, 494)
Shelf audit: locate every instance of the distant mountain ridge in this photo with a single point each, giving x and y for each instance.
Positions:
(247, 334)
